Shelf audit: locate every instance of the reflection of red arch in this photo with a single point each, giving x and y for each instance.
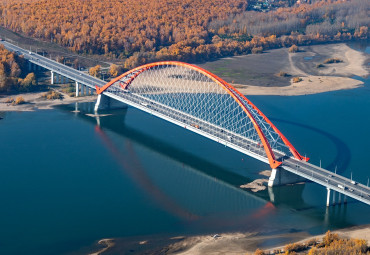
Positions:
(235, 94)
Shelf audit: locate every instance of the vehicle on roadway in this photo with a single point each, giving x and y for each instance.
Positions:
(353, 182)
(341, 187)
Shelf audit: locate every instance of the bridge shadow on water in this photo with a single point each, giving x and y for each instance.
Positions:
(286, 196)
(343, 156)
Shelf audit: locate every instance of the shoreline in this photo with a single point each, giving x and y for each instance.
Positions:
(332, 77)
(35, 102)
(235, 243)
(232, 243)
(309, 85)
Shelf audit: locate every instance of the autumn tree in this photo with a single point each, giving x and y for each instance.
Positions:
(293, 48)
(95, 71)
(27, 83)
(114, 70)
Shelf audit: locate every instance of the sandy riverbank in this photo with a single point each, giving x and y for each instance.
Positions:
(310, 84)
(236, 243)
(34, 101)
(240, 243)
(257, 74)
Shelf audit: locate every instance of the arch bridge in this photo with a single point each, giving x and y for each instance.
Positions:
(202, 102)
(199, 101)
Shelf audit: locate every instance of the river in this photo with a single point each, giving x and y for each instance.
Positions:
(67, 182)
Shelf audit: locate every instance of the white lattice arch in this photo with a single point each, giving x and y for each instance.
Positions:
(201, 94)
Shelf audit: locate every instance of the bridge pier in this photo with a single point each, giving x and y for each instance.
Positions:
(77, 89)
(339, 198)
(333, 197)
(104, 102)
(280, 177)
(51, 77)
(328, 197)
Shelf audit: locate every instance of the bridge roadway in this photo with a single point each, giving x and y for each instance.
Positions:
(304, 169)
(55, 67)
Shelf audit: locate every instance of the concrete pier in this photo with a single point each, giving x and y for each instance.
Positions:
(51, 77)
(280, 177)
(328, 197)
(333, 197)
(102, 102)
(77, 89)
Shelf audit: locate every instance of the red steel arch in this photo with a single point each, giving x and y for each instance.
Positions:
(229, 89)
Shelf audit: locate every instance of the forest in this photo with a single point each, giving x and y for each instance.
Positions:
(139, 31)
(11, 72)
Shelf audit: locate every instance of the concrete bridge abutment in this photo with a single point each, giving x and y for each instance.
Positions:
(104, 102)
(280, 176)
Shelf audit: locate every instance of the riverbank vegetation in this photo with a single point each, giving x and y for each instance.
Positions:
(12, 74)
(139, 31)
(331, 243)
(17, 101)
(52, 95)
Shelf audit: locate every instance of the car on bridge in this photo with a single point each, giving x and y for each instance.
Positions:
(341, 187)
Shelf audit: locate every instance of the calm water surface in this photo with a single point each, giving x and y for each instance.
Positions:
(66, 182)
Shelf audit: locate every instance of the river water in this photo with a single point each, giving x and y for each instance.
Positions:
(66, 182)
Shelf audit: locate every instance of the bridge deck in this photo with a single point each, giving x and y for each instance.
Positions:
(311, 172)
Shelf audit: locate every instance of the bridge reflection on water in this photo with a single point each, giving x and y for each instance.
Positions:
(196, 189)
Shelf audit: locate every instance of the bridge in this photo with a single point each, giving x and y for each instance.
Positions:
(197, 100)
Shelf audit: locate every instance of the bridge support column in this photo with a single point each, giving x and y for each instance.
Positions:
(83, 87)
(103, 102)
(51, 77)
(345, 199)
(62, 79)
(280, 177)
(29, 66)
(77, 89)
(339, 198)
(333, 197)
(328, 197)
